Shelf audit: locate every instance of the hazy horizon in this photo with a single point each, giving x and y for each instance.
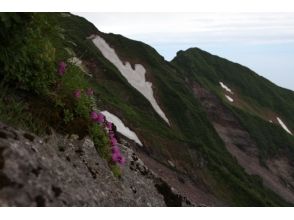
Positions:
(264, 42)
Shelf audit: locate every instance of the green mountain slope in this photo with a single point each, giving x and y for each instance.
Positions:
(258, 100)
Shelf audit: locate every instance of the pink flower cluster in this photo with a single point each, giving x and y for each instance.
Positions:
(61, 68)
(78, 92)
(98, 117)
(108, 126)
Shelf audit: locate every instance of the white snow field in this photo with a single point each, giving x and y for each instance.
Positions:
(136, 77)
(229, 98)
(283, 125)
(121, 128)
(226, 87)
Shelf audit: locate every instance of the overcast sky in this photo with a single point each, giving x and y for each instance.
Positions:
(263, 42)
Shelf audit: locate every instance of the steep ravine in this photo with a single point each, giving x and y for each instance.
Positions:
(278, 175)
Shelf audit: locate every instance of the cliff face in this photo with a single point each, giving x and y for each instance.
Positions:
(64, 171)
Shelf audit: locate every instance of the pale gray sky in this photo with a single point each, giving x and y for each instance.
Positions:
(262, 41)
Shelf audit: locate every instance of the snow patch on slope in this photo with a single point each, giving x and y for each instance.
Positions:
(229, 98)
(136, 77)
(226, 87)
(121, 128)
(283, 125)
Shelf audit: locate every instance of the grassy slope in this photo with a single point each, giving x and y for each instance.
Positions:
(210, 69)
(191, 130)
(254, 89)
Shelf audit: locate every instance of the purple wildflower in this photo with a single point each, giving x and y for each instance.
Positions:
(115, 150)
(77, 93)
(115, 157)
(120, 159)
(100, 118)
(61, 68)
(94, 116)
(111, 134)
(109, 125)
(113, 141)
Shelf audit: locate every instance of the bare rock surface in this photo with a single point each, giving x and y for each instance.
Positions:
(60, 171)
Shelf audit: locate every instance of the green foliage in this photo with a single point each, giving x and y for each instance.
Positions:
(68, 116)
(15, 112)
(116, 170)
(32, 45)
(27, 58)
(74, 80)
(271, 139)
(100, 140)
(13, 24)
(83, 106)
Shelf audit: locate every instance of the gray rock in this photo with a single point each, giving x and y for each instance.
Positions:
(67, 172)
(74, 137)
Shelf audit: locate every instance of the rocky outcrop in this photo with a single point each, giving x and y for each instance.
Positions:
(278, 172)
(64, 171)
(170, 195)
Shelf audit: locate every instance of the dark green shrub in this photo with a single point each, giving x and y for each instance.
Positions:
(100, 140)
(28, 57)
